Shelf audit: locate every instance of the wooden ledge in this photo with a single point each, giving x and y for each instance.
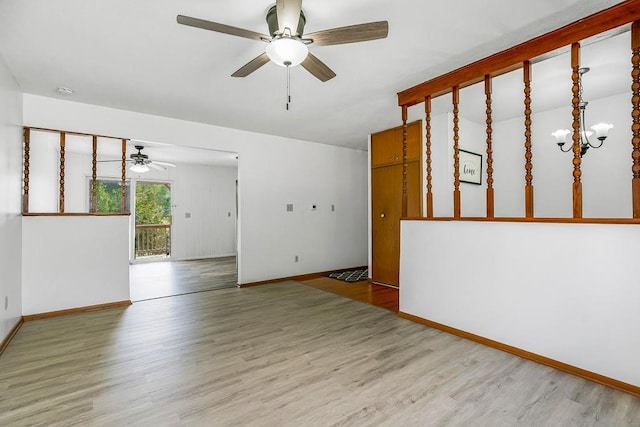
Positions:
(561, 366)
(533, 220)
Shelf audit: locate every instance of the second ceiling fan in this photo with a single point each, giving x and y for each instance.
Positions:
(287, 43)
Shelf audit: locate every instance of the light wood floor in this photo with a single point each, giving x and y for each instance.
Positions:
(167, 278)
(280, 354)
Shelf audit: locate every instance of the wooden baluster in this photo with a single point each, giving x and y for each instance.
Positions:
(405, 197)
(25, 188)
(94, 175)
(456, 153)
(123, 203)
(577, 184)
(635, 114)
(427, 115)
(62, 159)
(528, 166)
(487, 92)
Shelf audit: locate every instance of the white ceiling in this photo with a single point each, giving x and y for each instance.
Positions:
(131, 54)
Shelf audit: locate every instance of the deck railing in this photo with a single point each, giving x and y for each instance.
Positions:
(153, 240)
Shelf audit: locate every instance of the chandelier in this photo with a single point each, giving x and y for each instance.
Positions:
(601, 130)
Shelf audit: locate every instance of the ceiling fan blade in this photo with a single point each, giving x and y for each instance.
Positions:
(220, 28)
(288, 13)
(318, 68)
(350, 34)
(162, 164)
(252, 65)
(115, 160)
(155, 166)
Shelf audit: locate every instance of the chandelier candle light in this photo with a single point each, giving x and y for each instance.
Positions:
(601, 129)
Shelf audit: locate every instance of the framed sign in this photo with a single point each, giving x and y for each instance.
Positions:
(470, 167)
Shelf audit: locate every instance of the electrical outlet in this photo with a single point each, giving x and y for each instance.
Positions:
(333, 208)
(6, 303)
(289, 207)
(187, 215)
(296, 258)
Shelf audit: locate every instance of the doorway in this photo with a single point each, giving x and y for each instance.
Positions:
(152, 235)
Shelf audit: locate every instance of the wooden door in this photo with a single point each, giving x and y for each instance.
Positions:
(386, 207)
(386, 198)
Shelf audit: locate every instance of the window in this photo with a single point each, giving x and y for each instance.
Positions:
(109, 196)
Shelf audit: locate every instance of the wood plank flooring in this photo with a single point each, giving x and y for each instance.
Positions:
(280, 354)
(378, 295)
(167, 278)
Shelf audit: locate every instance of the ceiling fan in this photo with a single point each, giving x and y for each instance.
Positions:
(287, 43)
(140, 163)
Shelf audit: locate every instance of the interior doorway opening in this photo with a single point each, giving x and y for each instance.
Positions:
(184, 224)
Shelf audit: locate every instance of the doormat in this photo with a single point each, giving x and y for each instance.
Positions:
(351, 276)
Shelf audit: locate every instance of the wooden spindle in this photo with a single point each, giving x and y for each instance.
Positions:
(405, 196)
(577, 184)
(123, 204)
(427, 115)
(528, 165)
(456, 154)
(635, 115)
(489, 121)
(94, 175)
(62, 159)
(25, 187)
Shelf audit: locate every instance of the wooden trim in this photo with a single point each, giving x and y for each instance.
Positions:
(533, 220)
(543, 360)
(427, 119)
(58, 313)
(456, 153)
(62, 160)
(71, 132)
(123, 184)
(635, 114)
(25, 188)
(577, 158)
(528, 164)
(94, 174)
(12, 333)
(489, 121)
(405, 194)
(512, 58)
(76, 214)
(298, 278)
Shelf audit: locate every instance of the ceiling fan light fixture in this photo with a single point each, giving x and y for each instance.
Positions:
(139, 168)
(287, 51)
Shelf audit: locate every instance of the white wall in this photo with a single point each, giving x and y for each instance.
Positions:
(10, 196)
(70, 262)
(567, 292)
(208, 194)
(272, 171)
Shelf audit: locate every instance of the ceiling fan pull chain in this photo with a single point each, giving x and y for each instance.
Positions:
(288, 65)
